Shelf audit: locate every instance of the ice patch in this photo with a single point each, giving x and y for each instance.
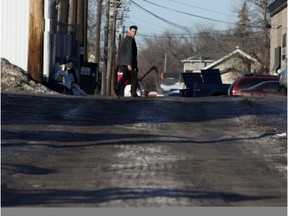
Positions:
(282, 134)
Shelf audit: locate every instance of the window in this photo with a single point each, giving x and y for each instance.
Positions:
(271, 87)
(277, 59)
(284, 40)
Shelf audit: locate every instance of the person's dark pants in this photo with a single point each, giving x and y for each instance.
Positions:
(132, 75)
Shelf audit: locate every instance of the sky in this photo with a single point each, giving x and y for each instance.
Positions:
(155, 17)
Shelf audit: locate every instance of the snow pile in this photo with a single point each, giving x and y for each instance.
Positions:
(282, 134)
(14, 79)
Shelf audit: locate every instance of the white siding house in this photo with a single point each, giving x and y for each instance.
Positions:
(279, 39)
(15, 31)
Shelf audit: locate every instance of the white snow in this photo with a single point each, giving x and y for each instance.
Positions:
(282, 134)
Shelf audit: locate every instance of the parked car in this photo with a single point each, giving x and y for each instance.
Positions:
(267, 88)
(205, 83)
(248, 80)
(283, 80)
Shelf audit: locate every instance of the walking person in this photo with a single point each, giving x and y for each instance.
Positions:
(127, 62)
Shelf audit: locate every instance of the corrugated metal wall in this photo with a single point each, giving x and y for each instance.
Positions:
(15, 31)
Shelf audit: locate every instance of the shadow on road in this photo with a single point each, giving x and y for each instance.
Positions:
(19, 109)
(63, 140)
(14, 198)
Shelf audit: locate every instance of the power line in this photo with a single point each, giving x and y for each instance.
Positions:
(151, 25)
(185, 28)
(213, 35)
(205, 9)
(189, 14)
(202, 17)
(164, 20)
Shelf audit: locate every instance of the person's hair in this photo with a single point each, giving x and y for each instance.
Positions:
(133, 27)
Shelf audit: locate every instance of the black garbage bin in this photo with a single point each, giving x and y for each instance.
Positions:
(87, 77)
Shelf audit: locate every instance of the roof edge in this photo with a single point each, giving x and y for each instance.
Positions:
(276, 6)
(230, 55)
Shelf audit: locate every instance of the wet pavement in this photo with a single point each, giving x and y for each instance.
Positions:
(93, 151)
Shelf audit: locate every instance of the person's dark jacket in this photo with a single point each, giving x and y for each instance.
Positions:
(128, 52)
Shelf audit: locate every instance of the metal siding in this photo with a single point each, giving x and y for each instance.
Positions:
(15, 31)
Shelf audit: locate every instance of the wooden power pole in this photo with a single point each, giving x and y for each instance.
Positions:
(112, 45)
(85, 29)
(72, 12)
(97, 45)
(81, 15)
(105, 54)
(36, 29)
(110, 64)
(63, 6)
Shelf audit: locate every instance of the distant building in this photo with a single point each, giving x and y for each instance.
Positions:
(278, 34)
(231, 65)
(196, 63)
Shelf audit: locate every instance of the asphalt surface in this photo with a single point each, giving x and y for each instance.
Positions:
(93, 151)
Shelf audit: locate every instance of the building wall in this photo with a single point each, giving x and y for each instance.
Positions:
(279, 28)
(195, 65)
(232, 68)
(15, 31)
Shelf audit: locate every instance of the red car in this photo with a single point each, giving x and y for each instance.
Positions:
(267, 88)
(248, 80)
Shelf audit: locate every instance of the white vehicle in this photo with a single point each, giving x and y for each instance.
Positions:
(283, 78)
(140, 90)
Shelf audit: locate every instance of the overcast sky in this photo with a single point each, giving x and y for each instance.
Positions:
(154, 17)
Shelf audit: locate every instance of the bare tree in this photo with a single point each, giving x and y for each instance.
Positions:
(252, 31)
(243, 28)
(263, 22)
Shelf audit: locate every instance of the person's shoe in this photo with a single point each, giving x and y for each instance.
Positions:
(134, 96)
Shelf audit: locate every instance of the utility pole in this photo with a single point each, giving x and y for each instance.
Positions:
(80, 22)
(110, 63)
(106, 42)
(97, 45)
(72, 12)
(36, 29)
(116, 5)
(63, 7)
(85, 29)
(108, 74)
(165, 62)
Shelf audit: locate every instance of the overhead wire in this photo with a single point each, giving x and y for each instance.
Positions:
(214, 35)
(151, 25)
(250, 35)
(205, 9)
(164, 20)
(190, 14)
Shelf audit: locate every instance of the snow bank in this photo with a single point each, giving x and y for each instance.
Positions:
(15, 79)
